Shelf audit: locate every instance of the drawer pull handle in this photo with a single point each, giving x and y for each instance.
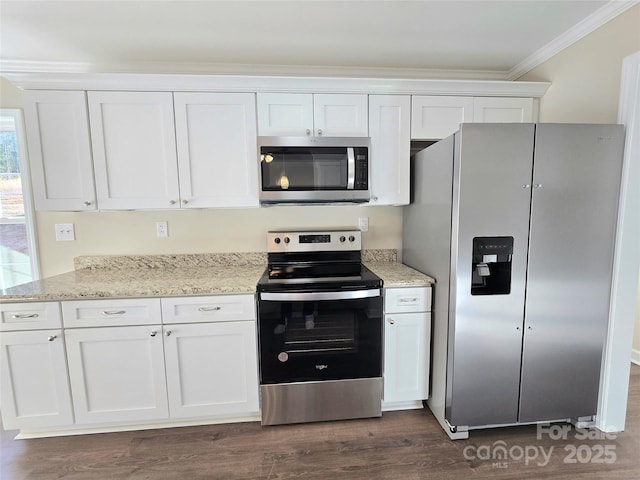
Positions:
(51, 338)
(408, 300)
(209, 309)
(114, 312)
(391, 321)
(26, 315)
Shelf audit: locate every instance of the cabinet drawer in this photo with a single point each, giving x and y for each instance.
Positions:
(30, 316)
(412, 299)
(219, 308)
(106, 313)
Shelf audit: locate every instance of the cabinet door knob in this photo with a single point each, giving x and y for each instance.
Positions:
(87, 204)
(185, 202)
(319, 131)
(168, 333)
(172, 202)
(391, 321)
(537, 185)
(153, 333)
(526, 185)
(308, 131)
(51, 338)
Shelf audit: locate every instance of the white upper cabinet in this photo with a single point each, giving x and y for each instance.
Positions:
(340, 115)
(502, 110)
(217, 149)
(134, 149)
(57, 128)
(302, 114)
(389, 127)
(436, 117)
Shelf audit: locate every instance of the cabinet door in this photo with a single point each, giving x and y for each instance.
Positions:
(285, 114)
(437, 117)
(134, 149)
(406, 356)
(211, 368)
(217, 149)
(502, 110)
(340, 115)
(57, 128)
(389, 127)
(117, 374)
(34, 386)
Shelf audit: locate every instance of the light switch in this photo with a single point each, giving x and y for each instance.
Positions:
(363, 224)
(65, 232)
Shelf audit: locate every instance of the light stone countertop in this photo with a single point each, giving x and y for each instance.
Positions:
(178, 275)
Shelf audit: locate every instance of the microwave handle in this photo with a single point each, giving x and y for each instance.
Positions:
(351, 168)
(311, 296)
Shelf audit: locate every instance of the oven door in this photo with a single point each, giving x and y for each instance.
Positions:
(310, 336)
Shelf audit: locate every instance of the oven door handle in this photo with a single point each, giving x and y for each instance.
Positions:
(301, 297)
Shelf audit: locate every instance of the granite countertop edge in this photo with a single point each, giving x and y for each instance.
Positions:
(187, 280)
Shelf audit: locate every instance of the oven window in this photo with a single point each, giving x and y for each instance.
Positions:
(320, 340)
(299, 168)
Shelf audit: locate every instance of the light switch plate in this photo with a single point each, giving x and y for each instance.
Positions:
(65, 232)
(363, 224)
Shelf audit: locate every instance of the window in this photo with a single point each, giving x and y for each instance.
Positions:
(18, 258)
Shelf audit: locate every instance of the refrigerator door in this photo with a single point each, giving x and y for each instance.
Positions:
(576, 182)
(491, 198)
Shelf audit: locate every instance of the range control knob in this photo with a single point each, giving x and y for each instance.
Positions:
(287, 239)
(277, 240)
(352, 238)
(342, 239)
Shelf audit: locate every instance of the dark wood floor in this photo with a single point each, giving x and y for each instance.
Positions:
(401, 445)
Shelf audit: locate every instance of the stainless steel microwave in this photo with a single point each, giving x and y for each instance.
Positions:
(314, 169)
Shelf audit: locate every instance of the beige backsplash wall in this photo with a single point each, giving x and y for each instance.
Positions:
(201, 231)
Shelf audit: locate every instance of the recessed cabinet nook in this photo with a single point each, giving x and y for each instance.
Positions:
(194, 139)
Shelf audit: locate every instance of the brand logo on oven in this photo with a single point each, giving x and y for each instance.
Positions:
(321, 367)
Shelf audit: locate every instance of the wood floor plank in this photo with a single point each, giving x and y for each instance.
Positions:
(404, 445)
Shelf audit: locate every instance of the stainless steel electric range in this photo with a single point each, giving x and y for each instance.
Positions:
(319, 329)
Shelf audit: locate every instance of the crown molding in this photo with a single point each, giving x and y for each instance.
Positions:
(601, 16)
(290, 84)
(8, 66)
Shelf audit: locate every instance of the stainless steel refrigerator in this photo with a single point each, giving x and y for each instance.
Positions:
(516, 222)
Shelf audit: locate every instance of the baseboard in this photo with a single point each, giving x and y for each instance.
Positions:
(635, 356)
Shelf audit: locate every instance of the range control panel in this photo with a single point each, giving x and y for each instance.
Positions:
(314, 241)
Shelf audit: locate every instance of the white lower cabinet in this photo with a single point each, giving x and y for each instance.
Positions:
(34, 386)
(117, 374)
(406, 361)
(211, 368)
(407, 338)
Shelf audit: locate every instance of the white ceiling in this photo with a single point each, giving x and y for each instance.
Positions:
(481, 38)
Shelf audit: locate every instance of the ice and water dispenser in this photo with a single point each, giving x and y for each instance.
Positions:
(491, 268)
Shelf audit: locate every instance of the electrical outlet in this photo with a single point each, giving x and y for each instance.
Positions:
(363, 224)
(162, 229)
(65, 232)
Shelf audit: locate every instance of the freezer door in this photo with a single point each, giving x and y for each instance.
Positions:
(492, 195)
(576, 182)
